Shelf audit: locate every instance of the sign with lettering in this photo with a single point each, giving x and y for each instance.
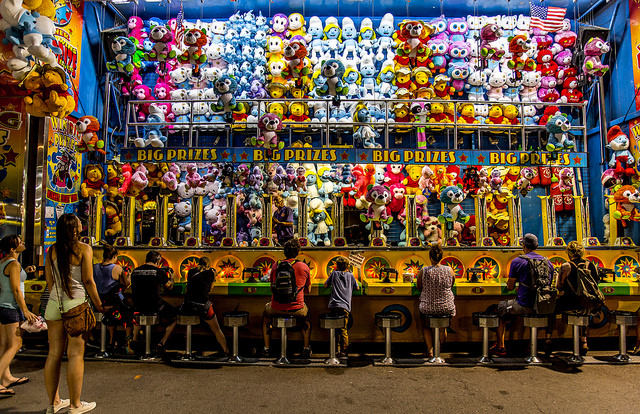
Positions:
(68, 37)
(355, 156)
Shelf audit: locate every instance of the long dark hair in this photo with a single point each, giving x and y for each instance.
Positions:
(9, 242)
(67, 236)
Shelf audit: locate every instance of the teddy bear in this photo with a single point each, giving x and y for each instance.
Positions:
(194, 40)
(93, 183)
(593, 50)
(113, 181)
(412, 181)
(142, 93)
(570, 92)
(547, 91)
(489, 48)
(138, 181)
(87, 127)
(621, 158)
(557, 127)
(512, 114)
(268, 125)
(378, 197)
(431, 231)
(565, 68)
(162, 38)
(519, 46)
(496, 84)
(451, 197)
(124, 48)
(527, 174)
(548, 112)
(625, 198)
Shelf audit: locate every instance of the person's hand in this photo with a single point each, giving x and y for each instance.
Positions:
(31, 318)
(30, 269)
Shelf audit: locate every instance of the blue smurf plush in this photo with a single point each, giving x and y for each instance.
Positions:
(124, 48)
(364, 133)
(384, 42)
(557, 127)
(352, 80)
(153, 133)
(315, 48)
(368, 71)
(333, 38)
(349, 40)
(452, 196)
(332, 70)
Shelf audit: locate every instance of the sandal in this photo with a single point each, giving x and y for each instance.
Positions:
(6, 392)
(636, 349)
(19, 381)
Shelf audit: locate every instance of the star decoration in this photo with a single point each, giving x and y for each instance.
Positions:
(6, 193)
(481, 158)
(344, 156)
(10, 157)
(9, 107)
(244, 156)
(577, 159)
(463, 158)
(225, 154)
(128, 156)
(363, 157)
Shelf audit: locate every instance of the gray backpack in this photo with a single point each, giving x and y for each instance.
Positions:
(541, 277)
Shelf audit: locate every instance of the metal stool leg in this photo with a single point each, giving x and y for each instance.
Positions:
(103, 342)
(485, 358)
(147, 340)
(189, 353)
(533, 358)
(623, 356)
(283, 347)
(332, 360)
(387, 347)
(436, 347)
(576, 357)
(234, 357)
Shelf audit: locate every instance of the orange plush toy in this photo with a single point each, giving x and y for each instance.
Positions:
(194, 39)
(296, 55)
(412, 38)
(625, 198)
(88, 126)
(518, 46)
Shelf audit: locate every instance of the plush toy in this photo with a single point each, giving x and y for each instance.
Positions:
(458, 75)
(471, 180)
(489, 48)
(124, 48)
(194, 40)
(225, 89)
(549, 111)
(113, 223)
(431, 231)
(459, 53)
(93, 183)
(475, 85)
(512, 114)
(379, 197)
(527, 174)
(530, 85)
(495, 180)
(162, 39)
(142, 93)
(519, 46)
(496, 84)
(412, 181)
(57, 98)
(333, 71)
(496, 117)
(393, 174)
(547, 91)
(557, 127)
(593, 50)
(570, 92)
(564, 61)
(295, 53)
(420, 111)
(368, 73)
(366, 38)
(412, 38)
(113, 181)
(279, 25)
(87, 127)
(321, 223)
(349, 41)
(364, 133)
(385, 41)
(153, 134)
(439, 48)
(182, 211)
(396, 205)
(625, 198)
(621, 158)
(441, 87)
(299, 112)
(530, 117)
(269, 124)
(451, 197)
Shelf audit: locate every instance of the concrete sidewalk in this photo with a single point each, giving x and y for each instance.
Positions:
(159, 388)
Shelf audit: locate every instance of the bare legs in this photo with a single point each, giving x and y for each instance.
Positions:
(215, 328)
(10, 343)
(428, 338)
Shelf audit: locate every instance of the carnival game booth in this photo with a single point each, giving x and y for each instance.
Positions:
(372, 132)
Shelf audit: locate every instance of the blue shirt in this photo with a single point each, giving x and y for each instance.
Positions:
(7, 300)
(102, 275)
(342, 286)
(519, 270)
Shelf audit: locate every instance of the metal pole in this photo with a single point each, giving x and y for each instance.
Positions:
(602, 117)
(485, 342)
(576, 339)
(534, 342)
(188, 340)
(332, 343)
(436, 343)
(147, 340)
(387, 344)
(623, 340)
(235, 342)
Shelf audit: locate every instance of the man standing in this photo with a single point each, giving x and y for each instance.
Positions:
(147, 282)
(282, 221)
(289, 306)
(523, 304)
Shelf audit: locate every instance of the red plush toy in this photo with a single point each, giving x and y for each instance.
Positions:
(412, 40)
(194, 39)
(518, 46)
(546, 65)
(397, 198)
(570, 92)
(549, 111)
(296, 54)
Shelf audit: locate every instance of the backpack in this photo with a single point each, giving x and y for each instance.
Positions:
(586, 289)
(541, 277)
(283, 286)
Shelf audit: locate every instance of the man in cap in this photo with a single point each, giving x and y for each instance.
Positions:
(523, 303)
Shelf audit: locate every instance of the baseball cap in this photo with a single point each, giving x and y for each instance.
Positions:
(530, 241)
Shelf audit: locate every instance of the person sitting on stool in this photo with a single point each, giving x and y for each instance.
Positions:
(342, 283)
(196, 298)
(296, 308)
(146, 283)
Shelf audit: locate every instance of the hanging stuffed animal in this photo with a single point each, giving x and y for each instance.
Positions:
(295, 53)
(452, 196)
(162, 39)
(321, 223)
(379, 197)
(225, 88)
(557, 127)
(625, 198)
(153, 134)
(527, 174)
(412, 39)
(88, 127)
(519, 46)
(364, 133)
(124, 49)
(269, 124)
(489, 48)
(621, 158)
(333, 71)
(593, 51)
(194, 40)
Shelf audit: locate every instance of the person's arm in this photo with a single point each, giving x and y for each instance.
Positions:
(419, 279)
(48, 271)
(169, 284)
(356, 282)
(453, 277)
(327, 282)
(511, 283)
(87, 276)
(14, 283)
(308, 282)
(565, 269)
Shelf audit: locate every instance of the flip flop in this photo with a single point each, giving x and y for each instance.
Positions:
(6, 392)
(19, 381)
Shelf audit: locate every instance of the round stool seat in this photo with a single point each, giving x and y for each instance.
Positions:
(577, 319)
(437, 321)
(623, 318)
(284, 321)
(535, 321)
(388, 320)
(332, 321)
(485, 320)
(144, 320)
(235, 318)
(188, 319)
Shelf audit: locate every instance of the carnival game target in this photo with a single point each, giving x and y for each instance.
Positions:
(313, 266)
(372, 267)
(595, 260)
(455, 264)
(126, 262)
(331, 265)
(557, 261)
(188, 263)
(490, 266)
(412, 264)
(625, 266)
(264, 264)
(229, 267)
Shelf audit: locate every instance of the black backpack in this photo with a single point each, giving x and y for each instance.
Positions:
(589, 295)
(541, 277)
(283, 286)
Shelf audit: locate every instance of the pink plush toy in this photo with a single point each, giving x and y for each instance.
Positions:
(268, 124)
(425, 183)
(393, 175)
(162, 90)
(489, 34)
(142, 93)
(593, 50)
(139, 180)
(547, 91)
(127, 87)
(136, 29)
(379, 197)
(162, 39)
(563, 60)
(194, 179)
(565, 37)
(397, 198)
(541, 38)
(170, 181)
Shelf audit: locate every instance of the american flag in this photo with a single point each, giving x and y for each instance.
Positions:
(547, 18)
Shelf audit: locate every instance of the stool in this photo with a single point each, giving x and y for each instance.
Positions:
(436, 322)
(332, 321)
(188, 321)
(387, 321)
(485, 321)
(147, 321)
(623, 319)
(576, 320)
(283, 322)
(235, 320)
(534, 322)
(103, 337)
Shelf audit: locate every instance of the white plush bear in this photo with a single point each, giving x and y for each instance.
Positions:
(182, 210)
(180, 77)
(508, 24)
(181, 110)
(475, 85)
(495, 86)
(522, 25)
(482, 112)
(530, 85)
(179, 94)
(474, 24)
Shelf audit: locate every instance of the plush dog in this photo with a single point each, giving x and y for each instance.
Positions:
(88, 126)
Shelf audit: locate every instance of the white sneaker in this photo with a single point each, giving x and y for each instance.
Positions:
(84, 407)
(61, 405)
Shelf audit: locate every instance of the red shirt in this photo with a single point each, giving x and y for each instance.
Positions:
(303, 278)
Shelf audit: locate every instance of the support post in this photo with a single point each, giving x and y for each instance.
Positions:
(337, 215)
(230, 232)
(267, 221)
(195, 238)
(95, 219)
(303, 216)
(128, 222)
(162, 221)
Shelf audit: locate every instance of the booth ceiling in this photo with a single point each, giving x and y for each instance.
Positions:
(197, 9)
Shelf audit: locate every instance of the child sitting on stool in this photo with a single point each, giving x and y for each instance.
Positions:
(342, 283)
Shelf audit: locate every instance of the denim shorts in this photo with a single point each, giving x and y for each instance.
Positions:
(10, 315)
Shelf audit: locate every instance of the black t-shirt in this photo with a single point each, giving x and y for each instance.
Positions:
(199, 285)
(572, 278)
(146, 284)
